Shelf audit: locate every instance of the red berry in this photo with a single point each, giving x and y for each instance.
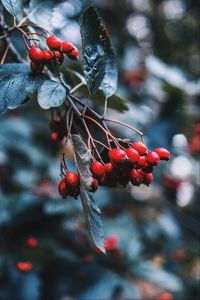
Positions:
(141, 162)
(140, 147)
(148, 168)
(47, 56)
(163, 153)
(24, 266)
(117, 156)
(152, 158)
(55, 137)
(53, 42)
(165, 296)
(36, 67)
(95, 185)
(36, 54)
(97, 169)
(72, 180)
(59, 56)
(62, 188)
(135, 177)
(111, 242)
(67, 47)
(133, 156)
(74, 53)
(147, 178)
(109, 170)
(32, 242)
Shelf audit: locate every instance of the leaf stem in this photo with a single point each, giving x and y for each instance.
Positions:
(5, 54)
(74, 89)
(126, 125)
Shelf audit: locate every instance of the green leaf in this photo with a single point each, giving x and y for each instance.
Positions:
(93, 215)
(16, 84)
(98, 61)
(13, 6)
(115, 102)
(51, 94)
(83, 160)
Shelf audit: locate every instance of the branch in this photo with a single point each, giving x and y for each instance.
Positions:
(5, 31)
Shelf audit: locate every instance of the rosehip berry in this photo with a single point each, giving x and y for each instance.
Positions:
(53, 42)
(73, 54)
(47, 56)
(117, 156)
(97, 169)
(67, 47)
(59, 56)
(148, 168)
(140, 147)
(109, 170)
(94, 186)
(147, 178)
(55, 137)
(24, 266)
(36, 54)
(135, 177)
(141, 162)
(165, 296)
(133, 156)
(163, 153)
(72, 180)
(36, 67)
(111, 242)
(152, 158)
(32, 242)
(62, 188)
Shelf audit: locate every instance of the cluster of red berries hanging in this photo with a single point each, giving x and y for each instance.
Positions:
(57, 50)
(134, 164)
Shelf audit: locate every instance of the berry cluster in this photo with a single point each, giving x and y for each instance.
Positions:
(57, 48)
(134, 164)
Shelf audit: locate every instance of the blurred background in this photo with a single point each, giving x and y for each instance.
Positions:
(152, 233)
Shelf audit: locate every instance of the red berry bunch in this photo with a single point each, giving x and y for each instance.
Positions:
(69, 185)
(134, 164)
(57, 50)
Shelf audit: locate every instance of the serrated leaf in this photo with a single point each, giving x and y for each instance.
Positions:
(97, 54)
(16, 84)
(51, 94)
(115, 102)
(82, 157)
(13, 6)
(93, 215)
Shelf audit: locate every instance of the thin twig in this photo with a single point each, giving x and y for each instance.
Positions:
(126, 125)
(5, 54)
(74, 89)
